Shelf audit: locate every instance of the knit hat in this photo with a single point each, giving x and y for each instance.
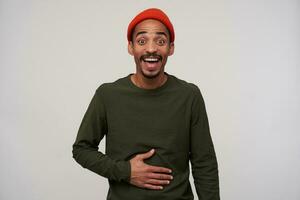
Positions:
(151, 13)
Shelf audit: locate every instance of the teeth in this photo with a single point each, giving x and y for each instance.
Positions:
(151, 59)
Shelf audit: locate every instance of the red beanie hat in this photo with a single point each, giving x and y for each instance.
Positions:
(151, 13)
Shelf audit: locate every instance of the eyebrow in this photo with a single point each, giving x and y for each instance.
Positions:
(139, 33)
(161, 33)
(158, 33)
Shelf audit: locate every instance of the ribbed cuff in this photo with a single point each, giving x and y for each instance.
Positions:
(124, 171)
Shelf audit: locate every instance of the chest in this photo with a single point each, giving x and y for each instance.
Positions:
(156, 112)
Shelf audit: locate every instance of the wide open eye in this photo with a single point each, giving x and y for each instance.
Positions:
(161, 42)
(141, 41)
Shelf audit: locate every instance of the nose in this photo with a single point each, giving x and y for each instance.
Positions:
(151, 47)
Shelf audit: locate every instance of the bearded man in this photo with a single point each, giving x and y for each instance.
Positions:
(154, 124)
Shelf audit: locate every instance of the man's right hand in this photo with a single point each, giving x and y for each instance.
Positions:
(148, 176)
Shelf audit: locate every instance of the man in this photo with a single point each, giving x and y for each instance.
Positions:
(154, 125)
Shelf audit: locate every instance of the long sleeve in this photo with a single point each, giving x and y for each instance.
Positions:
(85, 149)
(202, 153)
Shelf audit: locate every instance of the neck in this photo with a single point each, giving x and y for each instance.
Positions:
(147, 83)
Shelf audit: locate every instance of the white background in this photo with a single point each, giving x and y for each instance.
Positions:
(243, 54)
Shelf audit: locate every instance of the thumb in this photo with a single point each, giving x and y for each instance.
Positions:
(147, 155)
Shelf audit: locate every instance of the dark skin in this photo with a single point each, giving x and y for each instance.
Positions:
(150, 37)
(148, 176)
(151, 40)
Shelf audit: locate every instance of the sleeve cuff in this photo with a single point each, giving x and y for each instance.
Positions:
(124, 171)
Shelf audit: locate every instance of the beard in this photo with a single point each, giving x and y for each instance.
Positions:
(150, 76)
(150, 55)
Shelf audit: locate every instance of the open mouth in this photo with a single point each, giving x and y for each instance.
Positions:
(151, 59)
(152, 62)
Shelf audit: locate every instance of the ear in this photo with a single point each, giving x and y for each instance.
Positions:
(171, 50)
(130, 48)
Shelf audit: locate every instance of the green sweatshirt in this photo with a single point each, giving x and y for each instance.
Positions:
(171, 119)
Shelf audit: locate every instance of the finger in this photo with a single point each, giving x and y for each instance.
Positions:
(160, 176)
(152, 168)
(147, 155)
(153, 187)
(158, 182)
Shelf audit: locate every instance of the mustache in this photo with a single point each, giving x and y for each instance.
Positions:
(151, 55)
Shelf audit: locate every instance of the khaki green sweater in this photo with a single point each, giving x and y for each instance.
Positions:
(171, 119)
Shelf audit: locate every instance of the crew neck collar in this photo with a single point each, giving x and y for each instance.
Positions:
(135, 87)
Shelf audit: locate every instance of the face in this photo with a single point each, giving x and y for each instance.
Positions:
(150, 47)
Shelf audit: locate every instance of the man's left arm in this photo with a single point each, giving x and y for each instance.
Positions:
(202, 154)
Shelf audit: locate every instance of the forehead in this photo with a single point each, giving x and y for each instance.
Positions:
(151, 25)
